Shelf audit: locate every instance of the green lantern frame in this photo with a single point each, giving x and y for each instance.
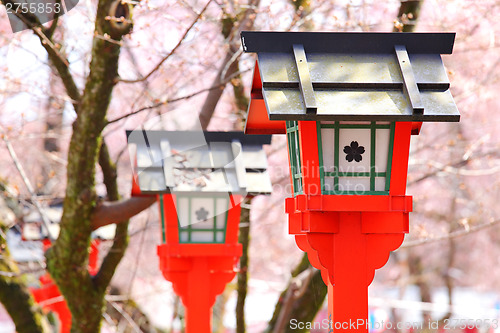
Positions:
(296, 167)
(190, 228)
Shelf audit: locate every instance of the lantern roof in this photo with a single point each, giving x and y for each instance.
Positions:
(196, 161)
(353, 76)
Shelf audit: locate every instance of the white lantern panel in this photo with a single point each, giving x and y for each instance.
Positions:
(202, 213)
(354, 184)
(202, 237)
(328, 148)
(354, 150)
(220, 237)
(183, 211)
(329, 184)
(379, 183)
(382, 143)
(222, 206)
(183, 237)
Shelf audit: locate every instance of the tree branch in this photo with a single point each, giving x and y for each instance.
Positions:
(29, 187)
(107, 211)
(119, 211)
(58, 60)
(455, 234)
(49, 32)
(171, 52)
(232, 26)
(219, 86)
(16, 297)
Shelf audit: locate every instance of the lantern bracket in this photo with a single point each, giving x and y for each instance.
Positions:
(305, 83)
(409, 83)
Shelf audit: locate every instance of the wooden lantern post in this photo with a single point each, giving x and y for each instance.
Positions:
(348, 103)
(200, 179)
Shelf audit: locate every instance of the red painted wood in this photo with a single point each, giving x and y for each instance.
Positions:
(350, 292)
(348, 246)
(199, 272)
(49, 297)
(257, 118)
(233, 219)
(312, 255)
(308, 137)
(380, 246)
(347, 237)
(170, 216)
(415, 128)
(352, 203)
(401, 152)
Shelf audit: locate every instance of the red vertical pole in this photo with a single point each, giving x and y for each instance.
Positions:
(64, 315)
(348, 296)
(198, 302)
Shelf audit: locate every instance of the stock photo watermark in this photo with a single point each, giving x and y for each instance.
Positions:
(354, 324)
(24, 14)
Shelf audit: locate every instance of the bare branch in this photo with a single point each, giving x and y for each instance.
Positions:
(125, 315)
(58, 60)
(156, 105)
(171, 52)
(29, 187)
(455, 234)
(230, 65)
(60, 63)
(52, 28)
(119, 211)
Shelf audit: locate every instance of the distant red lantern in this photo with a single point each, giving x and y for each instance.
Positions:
(49, 296)
(348, 103)
(200, 179)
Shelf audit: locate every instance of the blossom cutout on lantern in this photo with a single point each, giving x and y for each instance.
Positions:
(354, 152)
(201, 214)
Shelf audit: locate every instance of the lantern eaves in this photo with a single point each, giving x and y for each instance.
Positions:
(202, 162)
(352, 76)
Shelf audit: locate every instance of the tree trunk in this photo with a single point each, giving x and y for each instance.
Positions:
(303, 308)
(417, 272)
(244, 239)
(67, 259)
(14, 295)
(231, 27)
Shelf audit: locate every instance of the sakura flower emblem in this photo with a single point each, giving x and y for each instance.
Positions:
(354, 152)
(201, 214)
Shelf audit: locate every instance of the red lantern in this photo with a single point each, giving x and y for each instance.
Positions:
(49, 296)
(348, 103)
(200, 180)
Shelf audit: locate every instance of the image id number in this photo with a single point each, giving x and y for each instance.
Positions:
(470, 323)
(33, 8)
